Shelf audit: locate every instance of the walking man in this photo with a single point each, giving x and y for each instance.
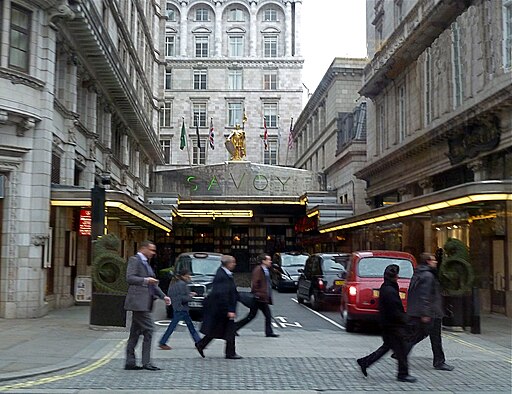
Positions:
(425, 309)
(393, 322)
(220, 310)
(142, 290)
(261, 287)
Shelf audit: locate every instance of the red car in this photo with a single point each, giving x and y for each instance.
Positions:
(360, 293)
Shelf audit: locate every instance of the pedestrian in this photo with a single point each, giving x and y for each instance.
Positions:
(393, 324)
(180, 297)
(425, 309)
(142, 290)
(261, 287)
(219, 309)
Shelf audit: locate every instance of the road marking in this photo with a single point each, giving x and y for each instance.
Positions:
(319, 314)
(284, 323)
(81, 371)
(482, 349)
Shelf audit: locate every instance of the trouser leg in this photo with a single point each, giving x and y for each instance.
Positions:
(418, 331)
(191, 328)
(146, 324)
(265, 308)
(252, 313)
(132, 342)
(170, 328)
(203, 342)
(230, 339)
(395, 341)
(436, 342)
(376, 355)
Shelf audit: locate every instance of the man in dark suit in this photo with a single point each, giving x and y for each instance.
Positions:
(220, 310)
(261, 287)
(142, 290)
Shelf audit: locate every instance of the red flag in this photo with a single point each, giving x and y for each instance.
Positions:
(211, 136)
(290, 136)
(265, 133)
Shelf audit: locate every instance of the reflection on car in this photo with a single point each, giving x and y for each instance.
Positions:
(321, 279)
(285, 270)
(360, 293)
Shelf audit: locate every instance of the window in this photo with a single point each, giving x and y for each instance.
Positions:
(170, 46)
(270, 15)
(168, 80)
(170, 12)
(166, 146)
(381, 119)
(270, 80)
(507, 31)
(202, 15)
(236, 46)
(458, 75)
(199, 114)
(19, 38)
(428, 87)
(201, 46)
(55, 171)
(236, 15)
(166, 114)
(401, 113)
(270, 114)
(270, 46)
(234, 114)
(198, 154)
(270, 155)
(200, 79)
(235, 79)
(399, 12)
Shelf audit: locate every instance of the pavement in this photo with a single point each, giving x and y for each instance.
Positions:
(63, 340)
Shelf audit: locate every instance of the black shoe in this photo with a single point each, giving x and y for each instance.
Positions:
(132, 367)
(408, 379)
(363, 367)
(393, 355)
(445, 367)
(237, 334)
(234, 357)
(200, 350)
(151, 367)
(272, 335)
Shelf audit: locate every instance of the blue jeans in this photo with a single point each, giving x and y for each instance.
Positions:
(180, 316)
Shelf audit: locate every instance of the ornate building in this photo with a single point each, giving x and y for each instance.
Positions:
(439, 136)
(78, 81)
(229, 62)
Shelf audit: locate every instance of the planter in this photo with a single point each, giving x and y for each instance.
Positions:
(108, 310)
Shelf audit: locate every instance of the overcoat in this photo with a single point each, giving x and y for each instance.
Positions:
(259, 285)
(221, 300)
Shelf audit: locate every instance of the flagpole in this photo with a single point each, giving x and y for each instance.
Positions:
(188, 147)
(289, 137)
(278, 138)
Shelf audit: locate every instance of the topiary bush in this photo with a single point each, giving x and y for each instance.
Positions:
(108, 268)
(456, 273)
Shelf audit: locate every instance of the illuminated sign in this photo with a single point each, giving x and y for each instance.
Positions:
(258, 182)
(85, 222)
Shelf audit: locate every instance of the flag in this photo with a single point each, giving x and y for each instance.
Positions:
(211, 136)
(290, 136)
(197, 133)
(265, 133)
(183, 138)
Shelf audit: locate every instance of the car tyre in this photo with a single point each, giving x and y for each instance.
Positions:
(313, 301)
(300, 300)
(349, 324)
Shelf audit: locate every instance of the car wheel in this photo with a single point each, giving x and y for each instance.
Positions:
(279, 288)
(313, 301)
(300, 300)
(348, 323)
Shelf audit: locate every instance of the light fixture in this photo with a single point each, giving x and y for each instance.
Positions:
(211, 213)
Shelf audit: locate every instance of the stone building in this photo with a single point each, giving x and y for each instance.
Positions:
(439, 135)
(329, 139)
(77, 86)
(225, 59)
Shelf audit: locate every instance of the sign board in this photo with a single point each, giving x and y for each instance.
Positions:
(85, 222)
(83, 289)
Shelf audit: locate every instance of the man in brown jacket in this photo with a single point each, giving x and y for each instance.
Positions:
(262, 289)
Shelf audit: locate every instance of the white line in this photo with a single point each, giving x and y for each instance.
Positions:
(319, 314)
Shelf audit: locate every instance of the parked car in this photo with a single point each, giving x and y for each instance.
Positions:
(360, 293)
(285, 273)
(321, 279)
(202, 267)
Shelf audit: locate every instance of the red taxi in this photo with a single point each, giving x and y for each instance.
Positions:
(360, 293)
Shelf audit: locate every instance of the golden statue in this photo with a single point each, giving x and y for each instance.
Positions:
(235, 144)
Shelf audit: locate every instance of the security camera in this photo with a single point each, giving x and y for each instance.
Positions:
(150, 202)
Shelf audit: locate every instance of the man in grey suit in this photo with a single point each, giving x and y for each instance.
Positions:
(142, 290)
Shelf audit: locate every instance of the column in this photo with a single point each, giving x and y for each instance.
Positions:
(253, 32)
(288, 31)
(183, 29)
(218, 29)
(296, 32)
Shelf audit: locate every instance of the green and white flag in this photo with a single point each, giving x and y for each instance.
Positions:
(183, 138)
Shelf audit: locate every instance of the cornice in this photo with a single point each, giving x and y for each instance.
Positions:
(17, 77)
(242, 63)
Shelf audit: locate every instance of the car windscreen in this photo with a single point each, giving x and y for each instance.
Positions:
(199, 266)
(373, 267)
(332, 264)
(288, 260)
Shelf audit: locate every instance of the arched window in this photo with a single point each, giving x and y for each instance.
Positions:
(236, 15)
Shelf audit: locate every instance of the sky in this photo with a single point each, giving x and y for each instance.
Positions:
(330, 28)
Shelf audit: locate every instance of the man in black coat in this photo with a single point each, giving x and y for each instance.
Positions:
(393, 322)
(425, 309)
(220, 310)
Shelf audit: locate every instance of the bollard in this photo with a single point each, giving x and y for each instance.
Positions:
(475, 311)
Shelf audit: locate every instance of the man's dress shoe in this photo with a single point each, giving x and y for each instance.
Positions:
(151, 367)
(444, 367)
(200, 350)
(234, 357)
(363, 367)
(272, 335)
(164, 347)
(132, 367)
(408, 379)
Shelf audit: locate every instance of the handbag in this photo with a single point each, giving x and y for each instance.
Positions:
(247, 299)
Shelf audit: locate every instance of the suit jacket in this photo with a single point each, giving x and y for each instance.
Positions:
(140, 295)
(259, 285)
(220, 301)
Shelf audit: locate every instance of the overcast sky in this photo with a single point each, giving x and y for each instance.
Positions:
(330, 28)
